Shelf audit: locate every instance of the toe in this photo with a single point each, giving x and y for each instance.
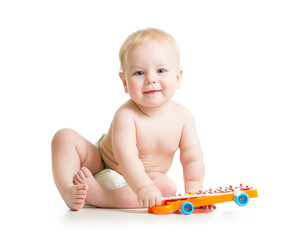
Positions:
(81, 192)
(75, 181)
(82, 197)
(78, 203)
(76, 206)
(85, 187)
(81, 175)
(78, 178)
(81, 187)
(86, 172)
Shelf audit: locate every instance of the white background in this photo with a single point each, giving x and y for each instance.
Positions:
(59, 68)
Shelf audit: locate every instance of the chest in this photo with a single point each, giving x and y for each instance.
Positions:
(158, 137)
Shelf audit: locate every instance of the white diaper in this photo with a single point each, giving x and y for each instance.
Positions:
(110, 179)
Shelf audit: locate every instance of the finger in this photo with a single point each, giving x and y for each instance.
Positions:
(141, 202)
(148, 203)
(152, 203)
(145, 203)
(158, 201)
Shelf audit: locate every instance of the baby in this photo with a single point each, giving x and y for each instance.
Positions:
(143, 137)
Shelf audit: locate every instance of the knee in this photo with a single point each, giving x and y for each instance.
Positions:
(62, 136)
(164, 183)
(129, 201)
(122, 197)
(169, 187)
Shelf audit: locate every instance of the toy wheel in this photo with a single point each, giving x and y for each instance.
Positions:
(187, 208)
(242, 199)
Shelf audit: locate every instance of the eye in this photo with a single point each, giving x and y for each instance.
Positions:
(139, 73)
(161, 70)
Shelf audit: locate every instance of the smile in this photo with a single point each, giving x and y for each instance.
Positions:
(151, 92)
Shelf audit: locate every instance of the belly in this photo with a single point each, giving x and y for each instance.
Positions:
(157, 153)
(157, 160)
(156, 164)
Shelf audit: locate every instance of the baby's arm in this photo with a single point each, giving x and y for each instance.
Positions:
(191, 156)
(125, 151)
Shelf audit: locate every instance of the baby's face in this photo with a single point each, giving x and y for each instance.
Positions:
(151, 73)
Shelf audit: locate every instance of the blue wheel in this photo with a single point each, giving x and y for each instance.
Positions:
(242, 199)
(187, 208)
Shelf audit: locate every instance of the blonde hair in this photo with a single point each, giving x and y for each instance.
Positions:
(138, 37)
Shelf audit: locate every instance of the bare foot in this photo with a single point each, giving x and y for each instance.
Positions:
(75, 196)
(84, 176)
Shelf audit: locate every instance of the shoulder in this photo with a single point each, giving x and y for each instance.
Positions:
(125, 113)
(127, 108)
(182, 112)
(123, 123)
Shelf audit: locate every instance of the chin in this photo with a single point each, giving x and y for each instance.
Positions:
(156, 104)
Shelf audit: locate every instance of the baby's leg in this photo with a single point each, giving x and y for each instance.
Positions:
(122, 197)
(70, 152)
(164, 183)
(99, 196)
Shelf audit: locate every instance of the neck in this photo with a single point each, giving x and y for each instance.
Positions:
(153, 112)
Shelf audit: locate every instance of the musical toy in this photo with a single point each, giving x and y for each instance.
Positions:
(187, 202)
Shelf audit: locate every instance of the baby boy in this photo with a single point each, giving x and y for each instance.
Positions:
(143, 137)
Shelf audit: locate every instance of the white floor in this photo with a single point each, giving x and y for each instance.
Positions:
(262, 217)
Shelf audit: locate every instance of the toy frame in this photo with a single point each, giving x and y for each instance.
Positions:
(188, 202)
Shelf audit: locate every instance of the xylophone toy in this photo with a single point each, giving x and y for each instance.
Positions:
(187, 202)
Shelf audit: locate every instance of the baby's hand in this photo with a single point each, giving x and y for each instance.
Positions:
(149, 196)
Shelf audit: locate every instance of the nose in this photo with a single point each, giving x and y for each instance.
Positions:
(150, 79)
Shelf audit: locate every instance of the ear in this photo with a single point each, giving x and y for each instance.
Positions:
(179, 77)
(122, 76)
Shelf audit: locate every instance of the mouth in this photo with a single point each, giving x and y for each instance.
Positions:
(151, 92)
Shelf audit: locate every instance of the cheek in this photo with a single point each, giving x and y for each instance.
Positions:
(169, 84)
(134, 87)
